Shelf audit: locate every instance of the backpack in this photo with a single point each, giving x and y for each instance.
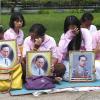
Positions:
(39, 82)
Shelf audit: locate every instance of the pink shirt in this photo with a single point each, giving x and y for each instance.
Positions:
(10, 34)
(49, 44)
(96, 41)
(66, 38)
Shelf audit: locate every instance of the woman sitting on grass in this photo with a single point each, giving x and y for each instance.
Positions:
(73, 38)
(15, 32)
(38, 41)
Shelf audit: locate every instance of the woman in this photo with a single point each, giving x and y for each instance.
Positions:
(73, 38)
(38, 41)
(15, 32)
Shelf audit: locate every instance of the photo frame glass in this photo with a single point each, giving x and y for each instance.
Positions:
(8, 54)
(81, 66)
(38, 63)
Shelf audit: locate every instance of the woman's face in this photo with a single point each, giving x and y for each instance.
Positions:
(34, 36)
(72, 27)
(18, 24)
(88, 23)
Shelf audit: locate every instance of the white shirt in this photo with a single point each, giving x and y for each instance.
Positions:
(5, 62)
(37, 71)
(93, 29)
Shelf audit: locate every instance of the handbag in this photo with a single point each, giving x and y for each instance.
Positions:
(39, 82)
(11, 78)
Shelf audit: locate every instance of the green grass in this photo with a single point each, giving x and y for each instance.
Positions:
(53, 21)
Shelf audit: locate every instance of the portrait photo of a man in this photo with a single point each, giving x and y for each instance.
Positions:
(39, 65)
(5, 60)
(81, 71)
(81, 66)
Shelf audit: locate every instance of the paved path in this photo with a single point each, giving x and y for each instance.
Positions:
(56, 96)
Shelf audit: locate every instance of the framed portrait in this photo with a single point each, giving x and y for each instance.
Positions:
(8, 54)
(38, 63)
(81, 66)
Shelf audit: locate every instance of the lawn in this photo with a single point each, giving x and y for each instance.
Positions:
(53, 21)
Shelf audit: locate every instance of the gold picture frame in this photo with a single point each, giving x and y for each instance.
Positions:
(8, 54)
(81, 66)
(32, 63)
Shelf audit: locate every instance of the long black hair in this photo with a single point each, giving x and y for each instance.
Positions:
(75, 43)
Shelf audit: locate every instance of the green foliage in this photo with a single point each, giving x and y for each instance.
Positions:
(43, 12)
(53, 2)
(52, 21)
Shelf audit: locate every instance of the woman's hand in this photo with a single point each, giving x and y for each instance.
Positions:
(38, 42)
(58, 79)
(75, 31)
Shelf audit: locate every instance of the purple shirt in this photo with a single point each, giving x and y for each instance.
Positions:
(48, 44)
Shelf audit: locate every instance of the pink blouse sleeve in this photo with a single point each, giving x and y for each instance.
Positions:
(87, 39)
(63, 44)
(9, 36)
(64, 40)
(6, 36)
(26, 47)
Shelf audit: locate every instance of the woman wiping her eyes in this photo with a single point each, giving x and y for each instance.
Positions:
(73, 38)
